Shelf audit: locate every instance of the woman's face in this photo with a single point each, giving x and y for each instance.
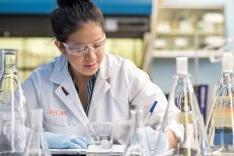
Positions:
(85, 49)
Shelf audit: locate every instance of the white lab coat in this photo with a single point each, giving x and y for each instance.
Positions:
(119, 85)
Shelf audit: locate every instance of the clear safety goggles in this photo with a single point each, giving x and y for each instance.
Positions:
(82, 49)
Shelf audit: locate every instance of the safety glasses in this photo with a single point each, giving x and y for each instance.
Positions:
(82, 49)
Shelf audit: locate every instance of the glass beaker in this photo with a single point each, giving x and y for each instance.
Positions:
(101, 134)
(12, 106)
(36, 144)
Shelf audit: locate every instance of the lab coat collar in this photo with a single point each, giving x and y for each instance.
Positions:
(101, 85)
(105, 67)
(100, 89)
(60, 71)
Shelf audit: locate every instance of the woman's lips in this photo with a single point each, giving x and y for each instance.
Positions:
(90, 65)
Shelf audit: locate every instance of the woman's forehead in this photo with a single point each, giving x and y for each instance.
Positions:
(87, 33)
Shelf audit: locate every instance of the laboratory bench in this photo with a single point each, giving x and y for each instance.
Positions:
(117, 150)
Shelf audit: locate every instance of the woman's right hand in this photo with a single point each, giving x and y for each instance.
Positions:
(64, 141)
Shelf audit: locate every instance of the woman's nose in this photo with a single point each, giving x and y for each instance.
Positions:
(90, 52)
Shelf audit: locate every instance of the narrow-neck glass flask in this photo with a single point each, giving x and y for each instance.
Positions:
(36, 144)
(220, 123)
(12, 110)
(183, 112)
(138, 143)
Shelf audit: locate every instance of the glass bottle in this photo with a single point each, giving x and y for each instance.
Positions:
(220, 123)
(184, 113)
(138, 143)
(12, 111)
(36, 144)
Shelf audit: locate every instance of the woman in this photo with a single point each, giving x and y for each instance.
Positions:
(85, 83)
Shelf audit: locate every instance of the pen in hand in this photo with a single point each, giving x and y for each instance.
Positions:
(150, 112)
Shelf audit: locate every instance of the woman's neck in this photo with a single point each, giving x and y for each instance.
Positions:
(78, 77)
(81, 81)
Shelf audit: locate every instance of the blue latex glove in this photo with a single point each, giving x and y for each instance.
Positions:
(63, 141)
(157, 141)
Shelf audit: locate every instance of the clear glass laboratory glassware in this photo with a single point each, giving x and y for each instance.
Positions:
(138, 143)
(220, 122)
(121, 132)
(12, 110)
(101, 134)
(36, 144)
(183, 111)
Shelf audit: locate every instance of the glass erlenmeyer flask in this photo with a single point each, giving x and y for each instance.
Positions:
(193, 139)
(220, 123)
(138, 143)
(12, 111)
(36, 144)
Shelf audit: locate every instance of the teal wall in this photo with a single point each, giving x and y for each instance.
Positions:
(109, 7)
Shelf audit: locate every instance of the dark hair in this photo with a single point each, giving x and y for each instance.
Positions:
(71, 15)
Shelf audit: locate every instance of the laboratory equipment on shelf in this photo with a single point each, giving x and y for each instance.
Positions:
(183, 111)
(220, 123)
(138, 143)
(36, 144)
(12, 100)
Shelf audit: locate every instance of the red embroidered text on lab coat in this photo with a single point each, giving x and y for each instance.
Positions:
(56, 112)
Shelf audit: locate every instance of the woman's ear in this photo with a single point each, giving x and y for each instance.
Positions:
(60, 46)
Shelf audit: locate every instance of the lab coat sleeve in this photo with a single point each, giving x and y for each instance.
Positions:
(31, 91)
(143, 92)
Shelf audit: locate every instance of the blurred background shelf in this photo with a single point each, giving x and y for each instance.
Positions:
(185, 53)
(185, 28)
(178, 33)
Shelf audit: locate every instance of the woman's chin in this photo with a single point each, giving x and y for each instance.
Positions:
(90, 70)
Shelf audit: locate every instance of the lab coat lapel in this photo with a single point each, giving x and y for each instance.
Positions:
(66, 91)
(72, 102)
(101, 86)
